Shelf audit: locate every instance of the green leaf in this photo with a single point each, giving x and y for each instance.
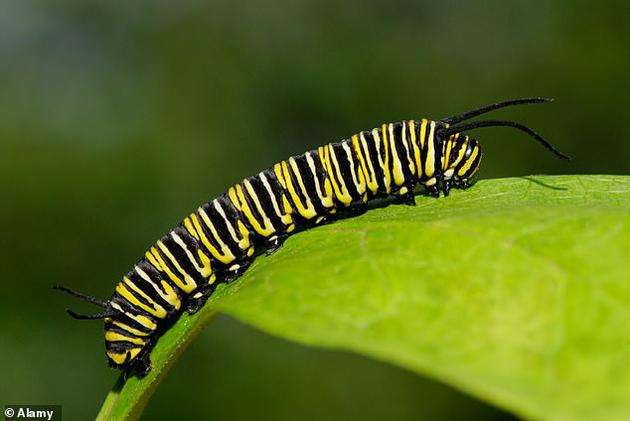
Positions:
(515, 290)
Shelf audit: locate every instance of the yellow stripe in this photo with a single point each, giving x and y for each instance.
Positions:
(155, 287)
(190, 228)
(188, 254)
(129, 329)
(324, 197)
(429, 164)
(405, 141)
(462, 151)
(285, 201)
(359, 183)
(308, 211)
(229, 226)
(133, 287)
(244, 233)
(111, 336)
(268, 226)
(166, 269)
(469, 162)
(324, 157)
(143, 320)
(190, 283)
(357, 149)
(284, 217)
(124, 292)
(154, 262)
(386, 174)
(423, 132)
(247, 211)
(227, 256)
(399, 177)
(386, 147)
(205, 260)
(121, 358)
(277, 169)
(288, 185)
(448, 146)
(208, 222)
(342, 192)
(416, 147)
(372, 183)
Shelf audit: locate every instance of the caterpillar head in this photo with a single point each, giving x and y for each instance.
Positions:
(461, 155)
(461, 158)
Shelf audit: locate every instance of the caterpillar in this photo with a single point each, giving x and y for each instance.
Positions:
(219, 240)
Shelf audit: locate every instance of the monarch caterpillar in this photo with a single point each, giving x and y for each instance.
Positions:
(218, 241)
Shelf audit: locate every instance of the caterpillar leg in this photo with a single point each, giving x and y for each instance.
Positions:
(140, 366)
(236, 270)
(433, 190)
(324, 220)
(199, 298)
(446, 187)
(358, 209)
(406, 195)
(407, 198)
(274, 243)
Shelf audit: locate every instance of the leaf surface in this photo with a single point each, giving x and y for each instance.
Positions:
(516, 291)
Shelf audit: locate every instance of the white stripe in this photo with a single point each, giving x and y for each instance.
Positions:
(146, 277)
(263, 178)
(351, 163)
(412, 166)
(181, 243)
(378, 153)
(311, 165)
(230, 228)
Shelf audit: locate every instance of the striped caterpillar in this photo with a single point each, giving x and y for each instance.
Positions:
(218, 241)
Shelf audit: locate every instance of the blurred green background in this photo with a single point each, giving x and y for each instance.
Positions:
(118, 118)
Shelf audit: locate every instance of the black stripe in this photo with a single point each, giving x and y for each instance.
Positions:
(120, 347)
(191, 244)
(265, 201)
(134, 278)
(424, 153)
(182, 259)
(251, 203)
(123, 318)
(212, 215)
(344, 168)
(321, 175)
(473, 166)
(122, 331)
(145, 287)
(233, 215)
(374, 154)
(130, 308)
(221, 226)
(403, 145)
(310, 183)
(278, 191)
(296, 187)
(152, 272)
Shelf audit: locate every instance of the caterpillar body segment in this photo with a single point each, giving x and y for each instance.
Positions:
(218, 241)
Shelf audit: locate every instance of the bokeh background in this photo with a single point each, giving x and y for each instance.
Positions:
(117, 118)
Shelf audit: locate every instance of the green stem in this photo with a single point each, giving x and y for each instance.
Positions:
(127, 399)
